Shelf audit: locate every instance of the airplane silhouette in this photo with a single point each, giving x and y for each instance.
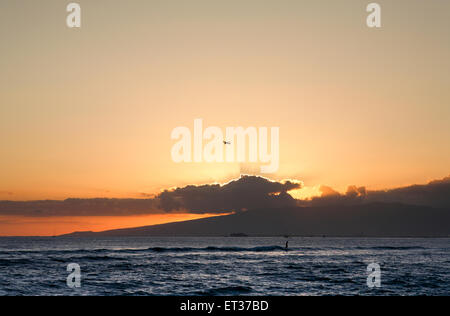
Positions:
(226, 143)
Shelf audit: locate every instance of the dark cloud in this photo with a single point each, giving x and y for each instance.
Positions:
(79, 207)
(435, 193)
(248, 192)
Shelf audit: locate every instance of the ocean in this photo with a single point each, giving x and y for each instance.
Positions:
(224, 266)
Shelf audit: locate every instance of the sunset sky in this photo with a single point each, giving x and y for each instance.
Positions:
(89, 112)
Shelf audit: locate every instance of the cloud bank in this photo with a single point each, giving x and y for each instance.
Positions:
(245, 193)
(435, 194)
(248, 192)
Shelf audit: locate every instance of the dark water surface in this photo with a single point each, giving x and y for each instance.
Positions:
(224, 266)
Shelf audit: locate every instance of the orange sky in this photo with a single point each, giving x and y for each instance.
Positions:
(51, 226)
(89, 112)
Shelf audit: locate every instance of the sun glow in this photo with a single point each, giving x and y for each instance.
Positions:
(306, 193)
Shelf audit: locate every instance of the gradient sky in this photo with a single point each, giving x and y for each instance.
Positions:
(88, 112)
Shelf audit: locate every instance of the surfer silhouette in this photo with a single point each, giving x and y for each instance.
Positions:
(286, 245)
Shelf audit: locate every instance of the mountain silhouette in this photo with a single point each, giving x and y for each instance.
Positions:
(365, 220)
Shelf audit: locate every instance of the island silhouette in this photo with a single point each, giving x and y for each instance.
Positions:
(366, 220)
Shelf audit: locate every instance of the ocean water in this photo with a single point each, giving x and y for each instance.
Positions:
(224, 266)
